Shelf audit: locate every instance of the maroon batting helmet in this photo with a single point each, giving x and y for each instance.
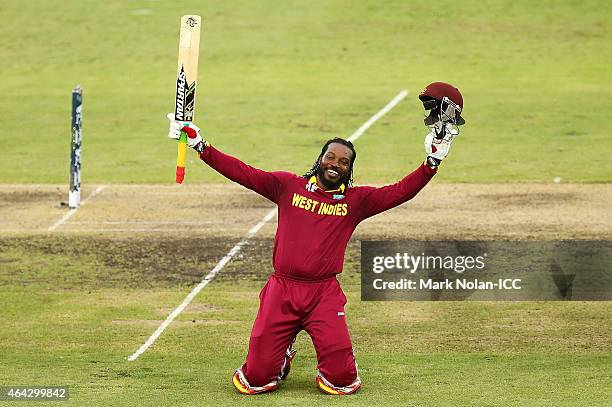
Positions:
(437, 93)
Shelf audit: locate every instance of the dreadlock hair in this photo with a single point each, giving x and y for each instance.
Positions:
(315, 166)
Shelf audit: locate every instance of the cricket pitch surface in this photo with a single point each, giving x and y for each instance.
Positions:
(84, 290)
(440, 211)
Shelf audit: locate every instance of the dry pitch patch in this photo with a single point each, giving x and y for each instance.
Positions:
(440, 211)
(162, 235)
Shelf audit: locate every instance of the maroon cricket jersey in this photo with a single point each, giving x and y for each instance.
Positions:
(314, 226)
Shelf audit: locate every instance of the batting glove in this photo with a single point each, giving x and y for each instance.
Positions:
(194, 139)
(437, 148)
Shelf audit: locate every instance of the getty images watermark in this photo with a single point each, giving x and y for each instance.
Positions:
(459, 264)
(486, 270)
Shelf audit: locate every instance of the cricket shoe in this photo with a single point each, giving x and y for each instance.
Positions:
(326, 387)
(289, 355)
(242, 385)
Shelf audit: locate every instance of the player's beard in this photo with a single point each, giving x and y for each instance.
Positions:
(329, 184)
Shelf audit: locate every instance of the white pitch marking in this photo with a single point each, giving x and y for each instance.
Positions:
(202, 284)
(358, 133)
(127, 230)
(194, 193)
(378, 115)
(71, 212)
(158, 223)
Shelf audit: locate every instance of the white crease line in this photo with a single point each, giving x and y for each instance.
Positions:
(127, 230)
(203, 193)
(202, 284)
(30, 186)
(250, 234)
(157, 223)
(378, 115)
(200, 192)
(71, 212)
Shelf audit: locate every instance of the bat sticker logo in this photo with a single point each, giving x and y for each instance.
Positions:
(185, 97)
(191, 22)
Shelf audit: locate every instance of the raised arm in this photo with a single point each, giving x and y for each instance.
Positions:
(267, 184)
(377, 200)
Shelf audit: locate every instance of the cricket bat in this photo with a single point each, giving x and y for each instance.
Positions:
(186, 79)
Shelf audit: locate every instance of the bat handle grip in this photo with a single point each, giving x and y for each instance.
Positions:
(180, 158)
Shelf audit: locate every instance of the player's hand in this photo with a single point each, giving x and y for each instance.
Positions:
(175, 127)
(438, 145)
(194, 139)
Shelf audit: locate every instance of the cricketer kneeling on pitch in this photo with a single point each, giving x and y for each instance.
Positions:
(317, 214)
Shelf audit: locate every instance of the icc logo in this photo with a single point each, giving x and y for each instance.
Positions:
(191, 22)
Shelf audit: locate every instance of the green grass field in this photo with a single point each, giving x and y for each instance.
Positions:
(76, 325)
(277, 79)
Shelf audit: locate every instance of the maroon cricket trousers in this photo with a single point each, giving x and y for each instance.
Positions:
(289, 306)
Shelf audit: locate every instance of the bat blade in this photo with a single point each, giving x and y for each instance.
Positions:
(186, 80)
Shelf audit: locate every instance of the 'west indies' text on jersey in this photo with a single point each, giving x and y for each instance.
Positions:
(314, 226)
